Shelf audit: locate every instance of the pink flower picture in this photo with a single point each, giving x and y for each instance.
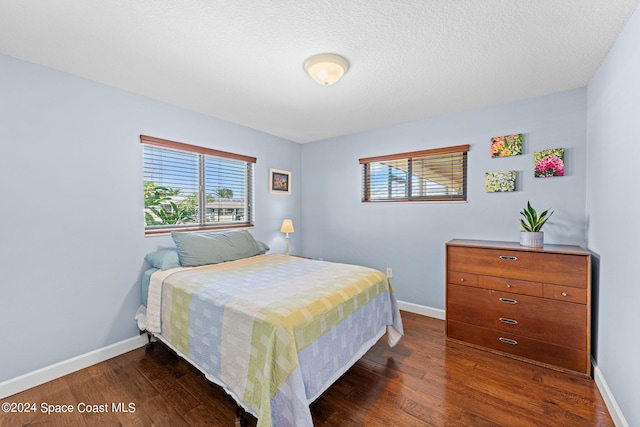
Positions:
(549, 163)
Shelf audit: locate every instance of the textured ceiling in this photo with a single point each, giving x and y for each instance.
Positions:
(243, 61)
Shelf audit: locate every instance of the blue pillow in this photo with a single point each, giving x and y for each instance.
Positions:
(164, 259)
(213, 247)
(144, 284)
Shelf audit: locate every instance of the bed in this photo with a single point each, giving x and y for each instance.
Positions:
(274, 331)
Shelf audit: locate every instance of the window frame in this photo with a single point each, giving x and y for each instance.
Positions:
(204, 151)
(410, 157)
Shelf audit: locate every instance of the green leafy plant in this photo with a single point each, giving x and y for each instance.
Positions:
(533, 222)
(176, 214)
(155, 195)
(160, 209)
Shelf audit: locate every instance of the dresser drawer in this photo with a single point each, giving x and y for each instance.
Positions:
(569, 358)
(556, 322)
(511, 285)
(491, 262)
(461, 278)
(565, 293)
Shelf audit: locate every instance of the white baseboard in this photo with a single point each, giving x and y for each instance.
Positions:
(48, 373)
(609, 399)
(421, 309)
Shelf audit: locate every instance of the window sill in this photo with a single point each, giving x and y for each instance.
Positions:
(169, 230)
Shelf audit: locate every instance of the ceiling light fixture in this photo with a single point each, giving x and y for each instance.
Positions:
(326, 68)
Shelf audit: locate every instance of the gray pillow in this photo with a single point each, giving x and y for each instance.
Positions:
(213, 247)
(263, 246)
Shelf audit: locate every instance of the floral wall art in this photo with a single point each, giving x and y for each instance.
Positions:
(498, 182)
(549, 163)
(508, 145)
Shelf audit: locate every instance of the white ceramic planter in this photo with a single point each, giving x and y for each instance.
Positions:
(532, 239)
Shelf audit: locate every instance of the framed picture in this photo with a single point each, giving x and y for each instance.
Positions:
(549, 163)
(508, 145)
(499, 182)
(279, 181)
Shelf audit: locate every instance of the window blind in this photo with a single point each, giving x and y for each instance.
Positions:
(228, 190)
(191, 187)
(427, 175)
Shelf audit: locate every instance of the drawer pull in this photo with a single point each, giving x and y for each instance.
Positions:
(509, 321)
(508, 258)
(508, 341)
(564, 294)
(508, 301)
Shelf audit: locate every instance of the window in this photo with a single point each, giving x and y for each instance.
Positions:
(429, 175)
(190, 187)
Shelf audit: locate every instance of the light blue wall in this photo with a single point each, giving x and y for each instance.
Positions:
(613, 185)
(71, 183)
(411, 237)
(72, 212)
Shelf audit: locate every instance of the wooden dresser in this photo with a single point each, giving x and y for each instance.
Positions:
(529, 303)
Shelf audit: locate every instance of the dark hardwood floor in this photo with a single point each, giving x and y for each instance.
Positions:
(423, 381)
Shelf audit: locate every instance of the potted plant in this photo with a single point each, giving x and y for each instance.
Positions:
(531, 225)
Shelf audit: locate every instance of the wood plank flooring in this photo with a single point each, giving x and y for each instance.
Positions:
(424, 381)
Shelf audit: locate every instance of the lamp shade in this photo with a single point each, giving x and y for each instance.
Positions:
(287, 226)
(326, 68)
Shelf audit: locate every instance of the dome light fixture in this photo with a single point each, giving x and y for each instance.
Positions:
(326, 68)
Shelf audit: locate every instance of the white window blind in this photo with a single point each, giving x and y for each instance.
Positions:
(429, 175)
(191, 187)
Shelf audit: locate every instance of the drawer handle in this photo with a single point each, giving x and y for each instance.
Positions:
(508, 301)
(508, 341)
(509, 321)
(508, 258)
(564, 294)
